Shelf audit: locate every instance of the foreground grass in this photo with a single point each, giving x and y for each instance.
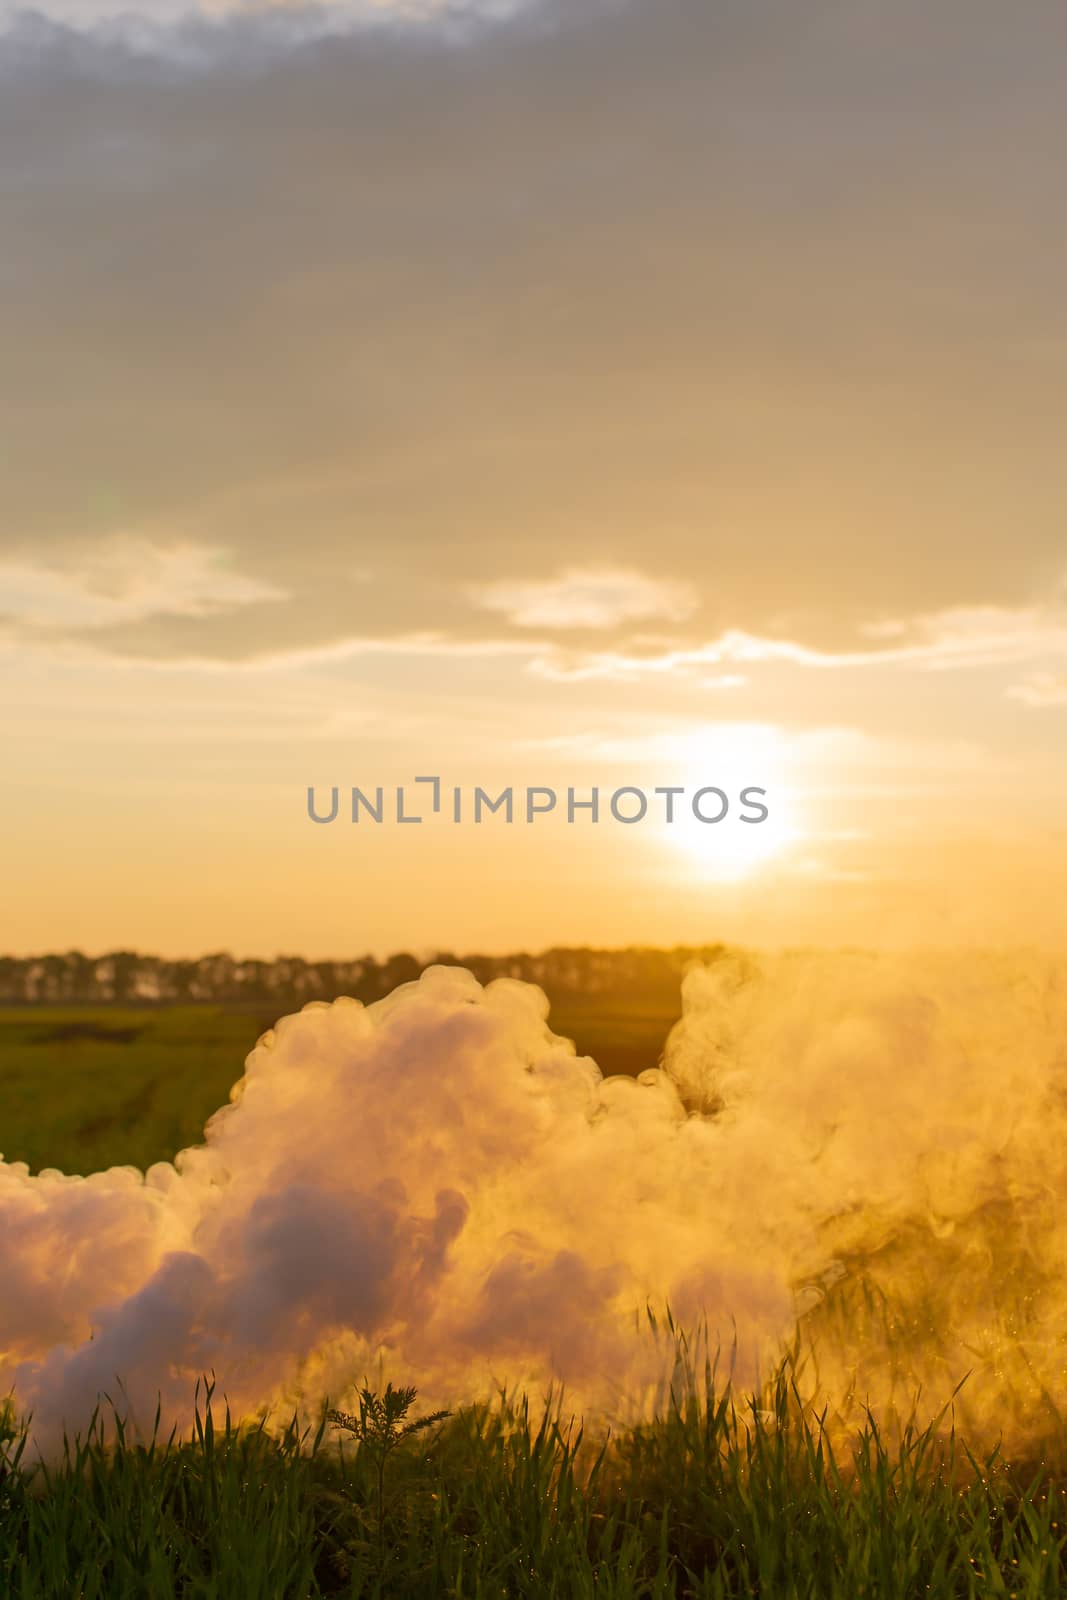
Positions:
(713, 1501)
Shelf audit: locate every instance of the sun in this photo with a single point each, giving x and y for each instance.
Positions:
(732, 850)
(734, 758)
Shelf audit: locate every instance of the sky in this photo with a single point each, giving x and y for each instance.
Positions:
(589, 394)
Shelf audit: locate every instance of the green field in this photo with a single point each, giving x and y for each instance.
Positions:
(83, 1088)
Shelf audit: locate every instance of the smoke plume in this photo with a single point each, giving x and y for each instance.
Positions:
(870, 1150)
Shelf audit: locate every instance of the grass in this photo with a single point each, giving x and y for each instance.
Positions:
(86, 1088)
(83, 1088)
(718, 1499)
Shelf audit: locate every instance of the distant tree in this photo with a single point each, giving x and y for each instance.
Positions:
(401, 968)
(124, 964)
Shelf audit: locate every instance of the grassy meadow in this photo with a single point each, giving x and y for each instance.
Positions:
(83, 1088)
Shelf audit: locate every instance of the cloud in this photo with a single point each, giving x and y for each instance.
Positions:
(127, 580)
(148, 21)
(955, 638)
(373, 299)
(401, 646)
(588, 597)
(137, 582)
(724, 680)
(1041, 689)
(978, 636)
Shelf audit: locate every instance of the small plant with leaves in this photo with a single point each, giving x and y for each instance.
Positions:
(381, 1424)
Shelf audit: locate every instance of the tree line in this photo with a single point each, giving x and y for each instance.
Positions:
(126, 977)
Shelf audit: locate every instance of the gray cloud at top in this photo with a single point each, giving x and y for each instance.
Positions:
(760, 298)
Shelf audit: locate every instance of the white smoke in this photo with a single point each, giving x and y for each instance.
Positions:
(438, 1184)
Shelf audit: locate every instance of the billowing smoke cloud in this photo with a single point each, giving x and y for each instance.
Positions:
(438, 1184)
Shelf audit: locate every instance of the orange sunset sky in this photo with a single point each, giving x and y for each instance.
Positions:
(560, 394)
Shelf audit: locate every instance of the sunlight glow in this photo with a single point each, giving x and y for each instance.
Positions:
(738, 756)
